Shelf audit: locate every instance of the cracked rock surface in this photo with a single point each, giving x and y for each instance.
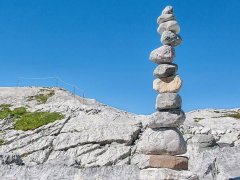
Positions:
(96, 141)
(91, 134)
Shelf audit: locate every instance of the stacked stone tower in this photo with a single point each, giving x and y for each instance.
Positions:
(162, 141)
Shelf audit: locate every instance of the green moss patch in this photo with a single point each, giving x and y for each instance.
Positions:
(28, 120)
(1, 142)
(18, 112)
(5, 111)
(43, 96)
(34, 120)
(235, 115)
(5, 105)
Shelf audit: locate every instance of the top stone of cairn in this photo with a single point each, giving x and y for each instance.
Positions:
(168, 10)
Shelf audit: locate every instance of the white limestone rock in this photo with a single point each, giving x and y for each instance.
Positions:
(229, 138)
(43, 172)
(162, 173)
(170, 38)
(169, 26)
(165, 70)
(218, 163)
(141, 160)
(161, 141)
(167, 101)
(95, 129)
(163, 54)
(170, 118)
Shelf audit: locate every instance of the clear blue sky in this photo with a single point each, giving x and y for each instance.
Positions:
(103, 47)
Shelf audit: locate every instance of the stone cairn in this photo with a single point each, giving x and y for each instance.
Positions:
(162, 141)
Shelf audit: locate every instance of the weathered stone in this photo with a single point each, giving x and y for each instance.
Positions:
(203, 140)
(168, 10)
(162, 141)
(163, 54)
(168, 161)
(229, 138)
(167, 101)
(170, 38)
(10, 158)
(165, 70)
(96, 129)
(165, 17)
(169, 26)
(170, 118)
(170, 84)
(166, 174)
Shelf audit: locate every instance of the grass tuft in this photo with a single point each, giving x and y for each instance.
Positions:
(28, 120)
(42, 97)
(235, 115)
(33, 120)
(18, 112)
(5, 105)
(1, 142)
(4, 112)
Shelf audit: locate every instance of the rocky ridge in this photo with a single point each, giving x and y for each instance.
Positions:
(95, 140)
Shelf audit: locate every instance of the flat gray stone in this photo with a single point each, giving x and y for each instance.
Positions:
(165, 70)
(163, 54)
(165, 17)
(167, 101)
(162, 141)
(170, 38)
(168, 10)
(162, 173)
(203, 140)
(170, 118)
(169, 26)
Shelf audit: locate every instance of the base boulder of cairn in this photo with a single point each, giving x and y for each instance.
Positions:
(162, 141)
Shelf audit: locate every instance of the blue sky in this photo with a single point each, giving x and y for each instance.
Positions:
(103, 47)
